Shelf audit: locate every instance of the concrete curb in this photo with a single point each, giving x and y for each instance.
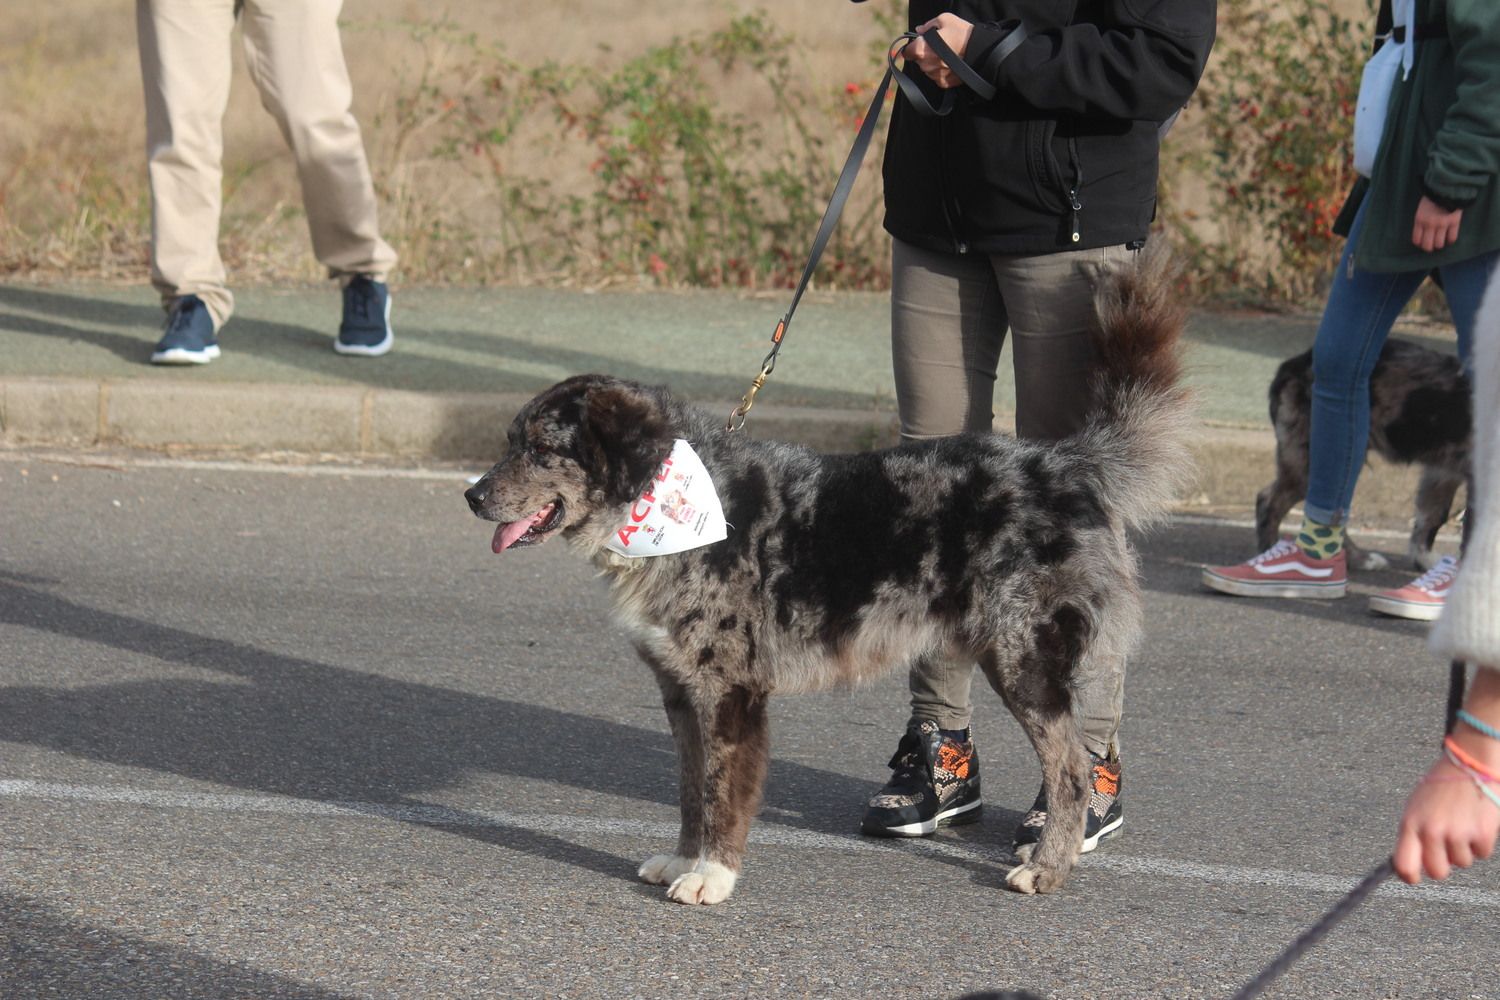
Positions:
(183, 416)
(363, 422)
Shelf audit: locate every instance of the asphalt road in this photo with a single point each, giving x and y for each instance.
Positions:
(279, 732)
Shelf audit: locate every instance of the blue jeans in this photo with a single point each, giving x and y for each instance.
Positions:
(1362, 307)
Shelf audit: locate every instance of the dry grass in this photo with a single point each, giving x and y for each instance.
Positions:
(73, 198)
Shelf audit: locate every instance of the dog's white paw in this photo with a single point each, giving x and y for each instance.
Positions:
(1372, 561)
(1031, 879)
(708, 882)
(663, 869)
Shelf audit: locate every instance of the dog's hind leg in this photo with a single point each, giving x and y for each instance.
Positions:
(664, 869)
(737, 752)
(1036, 689)
(1435, 492)
(1065, 779)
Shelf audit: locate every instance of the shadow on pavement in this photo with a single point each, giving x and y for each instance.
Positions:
(301, 728)
(45, 951)
(121, 345)
(77, 307)
(493, 368)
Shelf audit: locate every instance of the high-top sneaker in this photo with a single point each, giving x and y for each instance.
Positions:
(934, 782)
(1104, 815)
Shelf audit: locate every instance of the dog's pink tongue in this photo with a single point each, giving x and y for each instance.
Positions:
(506, 534)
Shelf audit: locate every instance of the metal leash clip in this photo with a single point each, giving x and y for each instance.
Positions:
(767, 365)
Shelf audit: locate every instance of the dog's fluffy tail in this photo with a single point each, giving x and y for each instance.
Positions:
(1140, 435)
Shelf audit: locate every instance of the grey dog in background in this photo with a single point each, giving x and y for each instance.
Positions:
(839, 568)
(1420, 414)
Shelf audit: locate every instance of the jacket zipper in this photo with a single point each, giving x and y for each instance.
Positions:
(1073, 202)
(959, 246)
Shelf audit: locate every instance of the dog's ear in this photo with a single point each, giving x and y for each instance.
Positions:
(626, 434)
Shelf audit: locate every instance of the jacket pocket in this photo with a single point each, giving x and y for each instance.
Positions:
(1048, 183)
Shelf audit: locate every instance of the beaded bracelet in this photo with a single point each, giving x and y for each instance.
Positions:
(1479, 724)
(1469, 763)
(1480, 782)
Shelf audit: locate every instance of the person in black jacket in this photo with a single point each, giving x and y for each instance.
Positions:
(1005, 213)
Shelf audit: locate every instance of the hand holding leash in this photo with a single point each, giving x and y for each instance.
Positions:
(955, 32)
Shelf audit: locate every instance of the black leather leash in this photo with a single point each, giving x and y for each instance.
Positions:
(841, 190)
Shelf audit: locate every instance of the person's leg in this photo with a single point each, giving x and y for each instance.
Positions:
(1361, 308)
(1423, 598)
(296, 59)
(1049, 299)
(1463, 287)
(947, 327)
(185, 70)
(1050, 302)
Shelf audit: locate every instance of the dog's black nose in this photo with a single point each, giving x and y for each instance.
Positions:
(477, 495)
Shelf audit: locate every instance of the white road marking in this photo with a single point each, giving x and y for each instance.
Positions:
(118, 462)
(765, 832)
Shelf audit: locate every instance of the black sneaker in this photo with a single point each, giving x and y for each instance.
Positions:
(935, 783)
(1104, 815)
(189, 335)
(366, 328)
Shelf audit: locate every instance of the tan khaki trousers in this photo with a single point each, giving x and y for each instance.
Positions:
(297, 62)
(949, 317)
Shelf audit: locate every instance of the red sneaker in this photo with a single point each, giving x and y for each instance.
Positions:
(1283, 570)
(1421, 600)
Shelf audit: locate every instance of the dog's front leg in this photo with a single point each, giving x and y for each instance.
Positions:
(737, 750)
(664, 869)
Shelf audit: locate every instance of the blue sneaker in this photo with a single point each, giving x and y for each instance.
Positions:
(189, 335)
(366, 329)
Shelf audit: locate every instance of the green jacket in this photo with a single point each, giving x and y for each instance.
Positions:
(1441, 139)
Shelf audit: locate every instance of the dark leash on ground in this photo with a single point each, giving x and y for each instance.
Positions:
(1318, 931)
(1457, 677)
(1458, 681)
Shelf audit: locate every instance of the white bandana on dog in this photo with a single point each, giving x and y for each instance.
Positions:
(680, 510)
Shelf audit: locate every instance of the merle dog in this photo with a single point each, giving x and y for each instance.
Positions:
(1419, 414)
(841, 567)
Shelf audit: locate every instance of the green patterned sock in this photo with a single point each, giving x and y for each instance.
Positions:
(1320, 541)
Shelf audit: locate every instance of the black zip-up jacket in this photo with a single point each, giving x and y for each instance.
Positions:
(1064, 157)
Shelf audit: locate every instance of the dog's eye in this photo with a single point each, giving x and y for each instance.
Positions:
(541, 449)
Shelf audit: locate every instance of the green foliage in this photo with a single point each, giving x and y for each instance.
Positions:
(678, 190)
(706, 160)
(1277, 107)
